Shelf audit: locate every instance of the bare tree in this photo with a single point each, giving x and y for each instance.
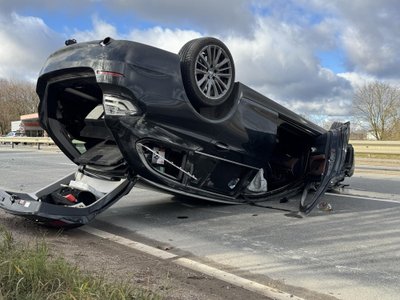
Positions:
(377, 104)
(395, 135)
(16, 99)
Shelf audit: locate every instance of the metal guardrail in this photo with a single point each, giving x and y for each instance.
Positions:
(26, 140)
(376, 147)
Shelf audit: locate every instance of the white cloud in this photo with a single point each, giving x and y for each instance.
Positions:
(368, 32)
(279, 62)
(369, 53)
(168, 39)
(357, 80)
(26, 42)
(99, 31)
(327, 107)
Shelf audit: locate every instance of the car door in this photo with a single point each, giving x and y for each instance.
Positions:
(332, 159)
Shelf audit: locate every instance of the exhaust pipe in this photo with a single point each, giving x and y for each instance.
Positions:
(106, 41)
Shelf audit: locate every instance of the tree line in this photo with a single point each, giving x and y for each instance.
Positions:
(16, 98)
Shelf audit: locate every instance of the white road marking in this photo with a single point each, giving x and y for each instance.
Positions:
(129, 243)
(235, 280)
(67, 164)
(195, 266)
(368, 196)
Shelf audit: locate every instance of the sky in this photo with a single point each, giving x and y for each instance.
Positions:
(308, 55)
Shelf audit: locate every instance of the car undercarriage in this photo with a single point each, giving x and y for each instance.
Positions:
(127, 113)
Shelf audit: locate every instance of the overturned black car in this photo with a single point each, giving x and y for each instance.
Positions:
(127, 113)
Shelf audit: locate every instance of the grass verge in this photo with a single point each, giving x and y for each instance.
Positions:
(29, 272)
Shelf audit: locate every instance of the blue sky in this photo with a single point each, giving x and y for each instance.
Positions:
(308, 55)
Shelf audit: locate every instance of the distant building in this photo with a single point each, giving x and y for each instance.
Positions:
(371, 136)
(28, 125)
(16, 126)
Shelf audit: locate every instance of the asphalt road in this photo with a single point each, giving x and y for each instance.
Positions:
(352, 252)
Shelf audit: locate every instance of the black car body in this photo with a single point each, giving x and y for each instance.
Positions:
(129, 113)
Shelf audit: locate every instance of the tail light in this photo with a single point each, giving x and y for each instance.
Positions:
(115, 106)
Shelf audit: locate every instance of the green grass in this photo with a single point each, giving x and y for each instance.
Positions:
(29, 272)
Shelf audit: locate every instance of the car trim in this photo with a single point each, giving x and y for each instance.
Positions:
(226, 160)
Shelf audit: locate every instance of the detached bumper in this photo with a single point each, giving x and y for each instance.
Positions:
(34, 207)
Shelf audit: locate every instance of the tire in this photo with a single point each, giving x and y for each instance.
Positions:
(208, 71)
(182, 53)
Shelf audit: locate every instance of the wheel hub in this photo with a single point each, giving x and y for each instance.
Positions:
(213, 71)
